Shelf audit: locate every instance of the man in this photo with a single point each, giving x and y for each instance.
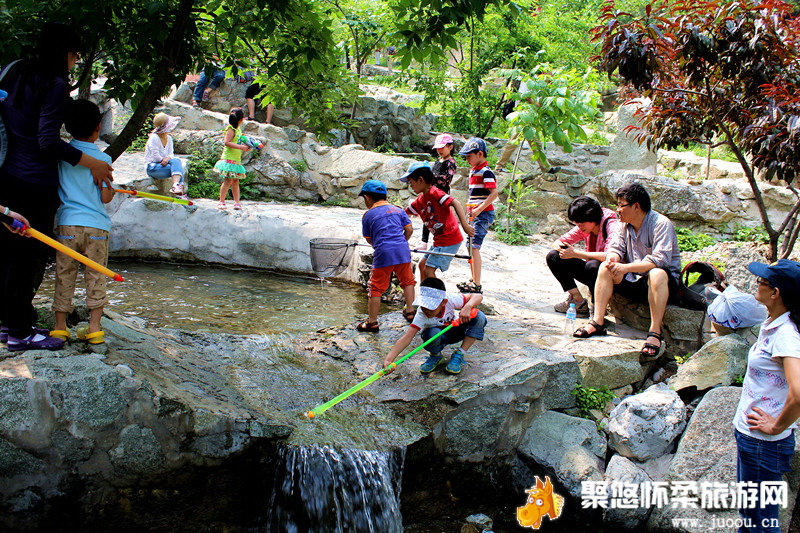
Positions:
(642, 263)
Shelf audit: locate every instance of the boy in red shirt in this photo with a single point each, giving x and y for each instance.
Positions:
(436, 207)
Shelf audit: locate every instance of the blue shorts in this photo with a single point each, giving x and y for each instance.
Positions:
(474, 328)
(442, 262)
(481, 225)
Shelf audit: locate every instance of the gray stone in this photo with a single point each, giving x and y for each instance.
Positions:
(15, 461)
(645, 425)
(620, 471)
(138, 453)
(612, 368)
(718, 362)
(470, 434)
(626, 152)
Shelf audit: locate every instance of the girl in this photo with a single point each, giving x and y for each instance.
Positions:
(159, 154)
(230, 165)
(443, 171)
(770, 402)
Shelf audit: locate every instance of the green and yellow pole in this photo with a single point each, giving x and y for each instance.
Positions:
(151, 196)
(318, 410)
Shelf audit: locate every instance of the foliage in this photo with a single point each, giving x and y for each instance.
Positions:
(514, 234)
(139, 142)
(680, 359)
(589, 398)
(737, 380)
(689, 241)
(299, 165)
(717, 74)
(745, 234)
(514, 228)
(337, 201)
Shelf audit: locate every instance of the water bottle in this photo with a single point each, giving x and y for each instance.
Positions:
(569, 323)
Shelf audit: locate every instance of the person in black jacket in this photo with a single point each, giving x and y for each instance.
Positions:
(33, 114)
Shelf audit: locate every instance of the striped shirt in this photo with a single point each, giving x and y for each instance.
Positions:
(481, 184)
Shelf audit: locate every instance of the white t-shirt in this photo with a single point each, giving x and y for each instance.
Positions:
(765, 384)
(455, 300)
(155, 151)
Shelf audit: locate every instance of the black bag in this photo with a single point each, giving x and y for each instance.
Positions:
(693, 296)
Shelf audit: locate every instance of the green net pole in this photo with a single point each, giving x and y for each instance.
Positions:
(374, 377)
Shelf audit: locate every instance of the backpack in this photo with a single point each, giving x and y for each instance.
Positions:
(694, 295)
(3, 132)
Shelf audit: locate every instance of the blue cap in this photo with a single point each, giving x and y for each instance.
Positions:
(474, 144)
(373, 186)
(416, 165)
(785, 275)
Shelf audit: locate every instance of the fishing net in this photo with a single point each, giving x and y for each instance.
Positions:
(330, 256)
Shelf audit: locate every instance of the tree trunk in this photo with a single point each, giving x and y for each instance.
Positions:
(158, 86)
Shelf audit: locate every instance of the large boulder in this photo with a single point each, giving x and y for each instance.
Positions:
(718, 362)
(645, 425)
(627, 153)
(620, 472)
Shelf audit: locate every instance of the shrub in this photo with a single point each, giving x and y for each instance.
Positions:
(140, 141)
(745, 234)
(588, 398)
(688, 241)
(299, 165)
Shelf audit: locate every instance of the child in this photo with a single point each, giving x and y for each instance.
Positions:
(230, 165)
(482, 194)
(82, 224)
(437, 308)
(159, 155)
(443, 170)
(433, 206)
(387, 228)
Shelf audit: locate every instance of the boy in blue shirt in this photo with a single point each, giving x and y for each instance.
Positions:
(387, 228)
(82, 224)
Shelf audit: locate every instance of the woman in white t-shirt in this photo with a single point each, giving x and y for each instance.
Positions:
(159, 154)
(770, 403)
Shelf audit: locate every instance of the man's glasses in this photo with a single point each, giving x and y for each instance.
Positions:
(762, 281)
(620, 206)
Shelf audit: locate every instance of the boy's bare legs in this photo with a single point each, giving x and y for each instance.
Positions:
(94, 319)
(223, 190)
(477, 263)
(61, 320)
(425, 271)
(270, 110)
(467, 343)
(657, 297)
(251, 107)
(373, 306)
(409, 294)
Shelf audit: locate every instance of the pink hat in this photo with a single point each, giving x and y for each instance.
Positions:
(442, 140)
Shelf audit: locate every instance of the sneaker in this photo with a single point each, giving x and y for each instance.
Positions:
(581, 309)
(34, 342)
(176, 189)
(222, 205)
(237, 206)
(455, 363)
(430, 364)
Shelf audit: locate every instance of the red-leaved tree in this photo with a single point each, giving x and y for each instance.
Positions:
(717, 73)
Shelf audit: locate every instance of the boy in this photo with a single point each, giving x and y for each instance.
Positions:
(82, 224)
(387, 228)
(482, 194)
(436, 309)
(433, 206)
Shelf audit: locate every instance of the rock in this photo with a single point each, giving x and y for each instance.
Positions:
(481, 521)
(626, 152)
(621, 470)
(611, 365)
(645, 425)
(570, 446)
(718, 362)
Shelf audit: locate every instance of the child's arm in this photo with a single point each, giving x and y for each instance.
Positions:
(473, 300)
(408, 231)
(106, 194)
(230, 144)
(462, 217)
(400, 345)
(486, 203)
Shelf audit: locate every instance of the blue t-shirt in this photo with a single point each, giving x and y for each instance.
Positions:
(81, 204)
(384, 225)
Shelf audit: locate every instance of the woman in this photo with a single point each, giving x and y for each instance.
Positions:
(770, 402)
(594, 225)
(33, 114)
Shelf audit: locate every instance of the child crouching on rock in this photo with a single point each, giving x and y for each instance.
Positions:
(437, 308)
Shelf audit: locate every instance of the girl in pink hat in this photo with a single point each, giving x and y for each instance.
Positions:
(443, 171)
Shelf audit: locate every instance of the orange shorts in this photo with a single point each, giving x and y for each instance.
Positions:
(380, 278)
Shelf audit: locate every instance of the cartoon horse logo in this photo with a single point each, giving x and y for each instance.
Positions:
(541, 502)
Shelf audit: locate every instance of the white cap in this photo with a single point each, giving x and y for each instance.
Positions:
(430, 298)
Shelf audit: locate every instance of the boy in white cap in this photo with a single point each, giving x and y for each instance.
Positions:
(437, 308)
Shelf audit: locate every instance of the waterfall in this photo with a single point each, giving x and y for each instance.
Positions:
(324, 490)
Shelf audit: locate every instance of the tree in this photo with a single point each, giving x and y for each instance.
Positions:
(719, 74)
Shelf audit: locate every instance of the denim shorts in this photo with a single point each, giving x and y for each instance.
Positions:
(442, 262)
(474, 328)
(481, 225)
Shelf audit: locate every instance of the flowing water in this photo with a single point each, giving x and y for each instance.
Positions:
(217, 299)
(322, 490)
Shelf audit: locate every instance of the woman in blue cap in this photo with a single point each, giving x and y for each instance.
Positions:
(770, 403)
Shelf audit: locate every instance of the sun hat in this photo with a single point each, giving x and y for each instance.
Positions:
(442, 140)
(373, 186)
(416, 165)
(785, 275)
(430, 297)
(474, 144)
(164, 123)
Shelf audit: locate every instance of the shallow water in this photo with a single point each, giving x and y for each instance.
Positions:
(225, 300)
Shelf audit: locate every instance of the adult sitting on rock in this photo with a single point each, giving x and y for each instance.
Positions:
(594, 225)
(642, 263)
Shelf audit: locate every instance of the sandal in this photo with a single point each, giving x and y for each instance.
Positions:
(195, 104)
(583, 333)
(98, 337)
(222, 205)
(368, 327)
(470, 286)
(409, 315)
(237, 206)
(650, 350)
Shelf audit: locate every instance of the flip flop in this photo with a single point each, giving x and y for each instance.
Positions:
(98, 337)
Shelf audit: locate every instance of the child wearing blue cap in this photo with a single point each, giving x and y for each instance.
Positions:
(482, 194)
(387, 228)
(437, 308)
(433, 206)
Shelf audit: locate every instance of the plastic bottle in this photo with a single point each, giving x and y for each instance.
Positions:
(569, 323)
